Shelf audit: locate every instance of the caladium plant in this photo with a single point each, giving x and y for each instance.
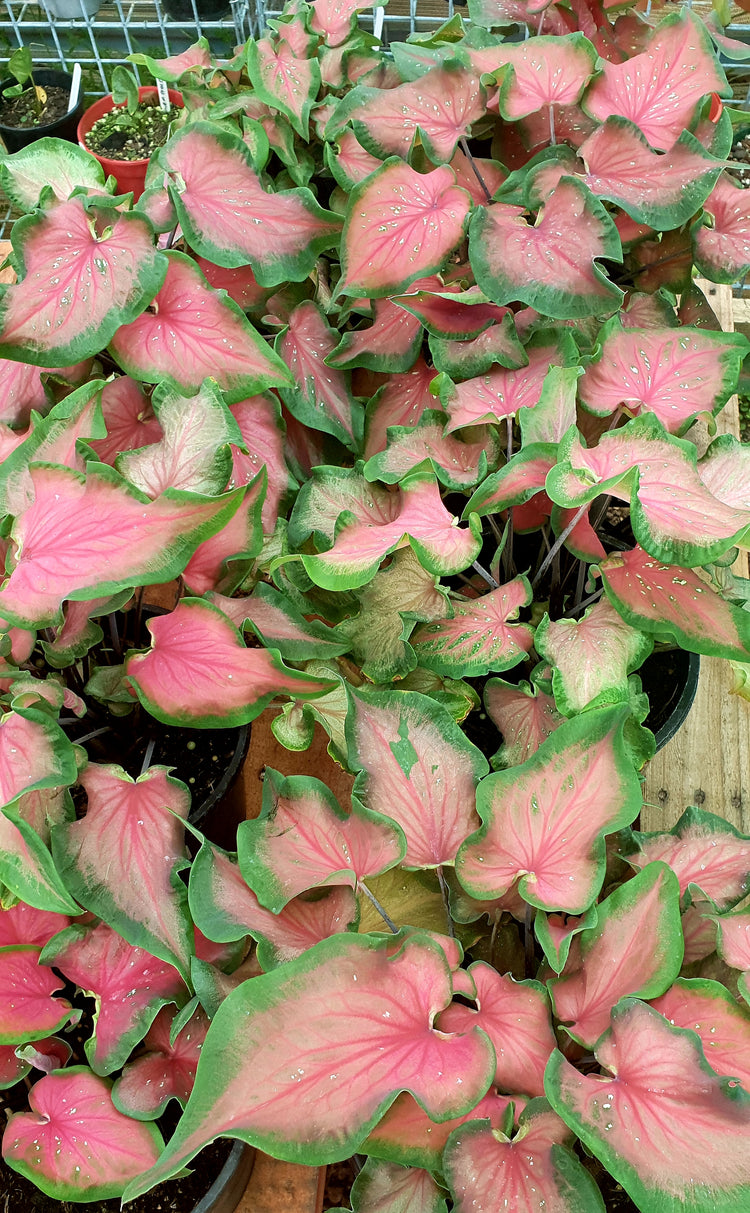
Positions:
(396, 393)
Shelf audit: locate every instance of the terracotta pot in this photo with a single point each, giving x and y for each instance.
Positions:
(16, 137)
(129, 174)
(283, 1187)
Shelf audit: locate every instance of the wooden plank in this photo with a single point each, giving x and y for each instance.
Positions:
(708, 762)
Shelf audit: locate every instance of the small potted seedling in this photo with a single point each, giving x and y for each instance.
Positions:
(124, 128)
(34, 103)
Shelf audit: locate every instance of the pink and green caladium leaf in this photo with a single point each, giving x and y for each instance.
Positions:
(634, 948)
(348, 160)
(543, 824)
(24, 924)
(386, 1187)
(703, 850)
(283, 80)
(271, 1042)
(196, 646)
(321, 395)
(192, 452)
(83, 271)
(401, 225)
(303, 840)
(457, 462)
(501, 392)
(591, 657)
(406, 1135)
(49, 163)
(222, 561)
(34, 754)
(536, 1168)
(673, 513)
(438, 109)
(672, 1133)
(539, 73)
(191, 332)
(674, 373)
(128, 417)
(482, 635)
(336, 19)
(212, 181)
(263, 434)
(450, 313)
(518, 261)
(73, 1143)
(88, 537)
(733, 941)
(401, 401)
(166, 1070)
(417, 516)
(391, 343)
(123, 859)
(556, 933)
(525, 716)
(416, 767)
(26, 866)
(722, 248)
(129, 985)
(226, 909)
(280, 625)
(661, 190)
(672, 602)
(521, 479)
(659, 89)
(722, 1024)
(516, 1017)
(28, 1008)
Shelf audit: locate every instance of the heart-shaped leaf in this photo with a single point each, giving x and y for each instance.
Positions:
(663, 191)
(213, 181)
(34, 753)
(48, 163)
(417, 768)
(165, 1071)
(73, 1143)
(536, 1168)
(516, 1017)
(303, 840)
(391, 343)
(663, 598)
(80, 532)
(457, 462)
(634, 948)
(591, 657)
(28, 1009)
(544, 823)
(321, 396)
(191, 332)
(515, 260)
(537, 73)
(283, 80)
(733, 939)
(122, 860)
(438, 109)
(659, 89)
(26, 866)
(401, 401)
(103, 259)
(386, 1187)
(226, 908)
(418, 517)
(480, 636)
(524, 715)
(401, 225)
(259, 420)
(384, 989)
(449, 313)
(129, 986)
(722, 250)
(662, 1111)
(722, 1024)
(24, 924)
(336, 19)
(674, 373)
(406, 1135)
(128, 417)
(196, 645)
(702, 849)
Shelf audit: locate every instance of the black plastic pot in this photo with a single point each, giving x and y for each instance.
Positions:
(670, 679)
(225, 1192)
(16, 137)
(208, 10)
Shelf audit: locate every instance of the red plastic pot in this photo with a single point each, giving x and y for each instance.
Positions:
(129, 174)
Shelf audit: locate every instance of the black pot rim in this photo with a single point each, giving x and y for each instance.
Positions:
(680, 711)
(43, 74)
(231, 1181)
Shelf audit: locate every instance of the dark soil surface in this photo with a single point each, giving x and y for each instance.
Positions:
(339, 1179)
(21, 112)
(741, 152)
(123, 136)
